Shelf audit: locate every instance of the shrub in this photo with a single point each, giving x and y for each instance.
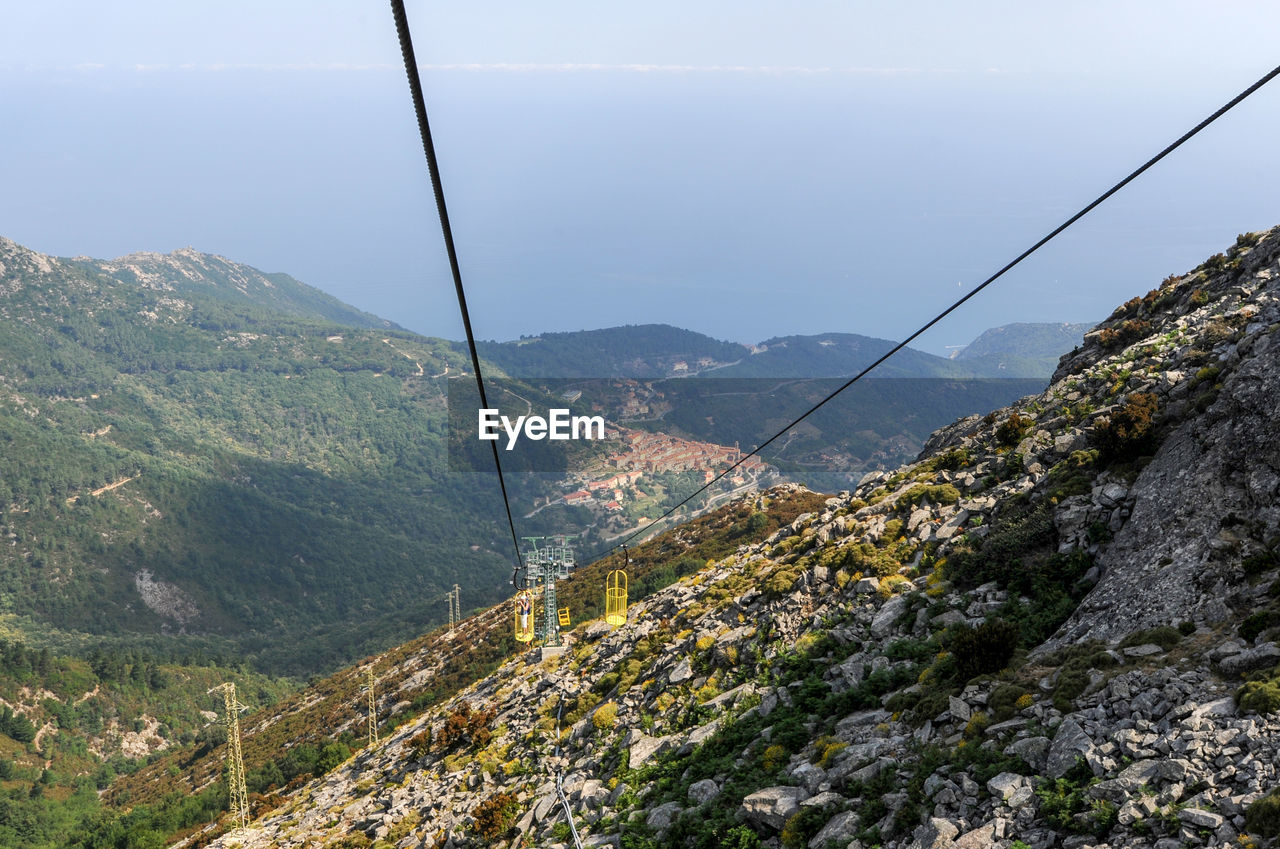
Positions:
(1129, 431)
(1011, 429)
(1263, 816)
(1256, 564)
(1257, 622)
(977, 725)
(464, 725)
(939, 494)
(1165, 636)
(1186, 628)
(985, 649)
(803, 826)
(1004, 700)
(495, 815)
(825, 748)
(1128, 331)
(741, 837)
(605, 716)
(420, 745)
(1259, 696)
(331, 755)
(774, 757)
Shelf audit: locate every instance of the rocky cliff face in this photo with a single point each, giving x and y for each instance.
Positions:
(1038, 635)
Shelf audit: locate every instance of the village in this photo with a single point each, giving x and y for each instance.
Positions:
(629, 475)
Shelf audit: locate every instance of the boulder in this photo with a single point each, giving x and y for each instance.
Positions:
(839, 830)
(887, 617)
(701, 792)
(645, 747)
(773, 805)
(661, 817)
(682, 672)
(937, 833)
(1069, 745)
(1267, 654)
(1197, 818)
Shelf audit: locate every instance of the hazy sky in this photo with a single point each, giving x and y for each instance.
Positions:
(746, 169)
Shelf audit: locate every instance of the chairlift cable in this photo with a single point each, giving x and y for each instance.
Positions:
(428, 147)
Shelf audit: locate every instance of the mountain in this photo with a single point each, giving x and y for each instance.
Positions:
(839, 355)
(635, 351)
(189, 272)
(650, 351)
(1024, 348)
(1057, 627)
(188, 467)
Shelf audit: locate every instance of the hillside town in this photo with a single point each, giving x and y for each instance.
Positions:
(640, 453)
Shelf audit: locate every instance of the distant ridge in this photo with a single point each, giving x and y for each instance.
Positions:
(190, 272)
(1025, 346)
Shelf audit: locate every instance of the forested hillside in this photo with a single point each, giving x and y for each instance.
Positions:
(179, 460)
(645, 350)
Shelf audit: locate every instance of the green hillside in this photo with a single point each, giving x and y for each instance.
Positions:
(644, 350)
(1023, 348)
(839, 355)
(224, 475)
(189, 272)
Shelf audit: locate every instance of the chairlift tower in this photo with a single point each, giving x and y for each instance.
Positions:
(547, 560)
(239, 795)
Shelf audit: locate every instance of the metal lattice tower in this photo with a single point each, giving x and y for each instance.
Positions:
(546, 564)
(454, 599)
(239, 796)
(370, 686)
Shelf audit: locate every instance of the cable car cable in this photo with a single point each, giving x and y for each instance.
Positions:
(428, 147)
(984, 284)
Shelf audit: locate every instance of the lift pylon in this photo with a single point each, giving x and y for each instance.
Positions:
(239, 796)
(547, 560)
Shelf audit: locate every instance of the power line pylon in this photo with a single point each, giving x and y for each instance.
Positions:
(239, 796)
(370, 683)
(454, 599)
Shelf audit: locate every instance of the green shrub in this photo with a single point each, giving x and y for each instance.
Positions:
(741, 837)
(1259, 696)
(1256, 564)
(1263, 816)
(985, 649)
(803, 826)
(605, 716)
(1004, 700)
(939, 494)
(774, 757)
(1165, 636)
(1257, 622)
(1187, 628)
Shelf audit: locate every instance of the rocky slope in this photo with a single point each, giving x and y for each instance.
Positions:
(1056, 628)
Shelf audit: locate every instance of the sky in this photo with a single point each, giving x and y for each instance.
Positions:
(745, 169)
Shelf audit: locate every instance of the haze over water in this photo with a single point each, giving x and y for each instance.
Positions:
(742, 200)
